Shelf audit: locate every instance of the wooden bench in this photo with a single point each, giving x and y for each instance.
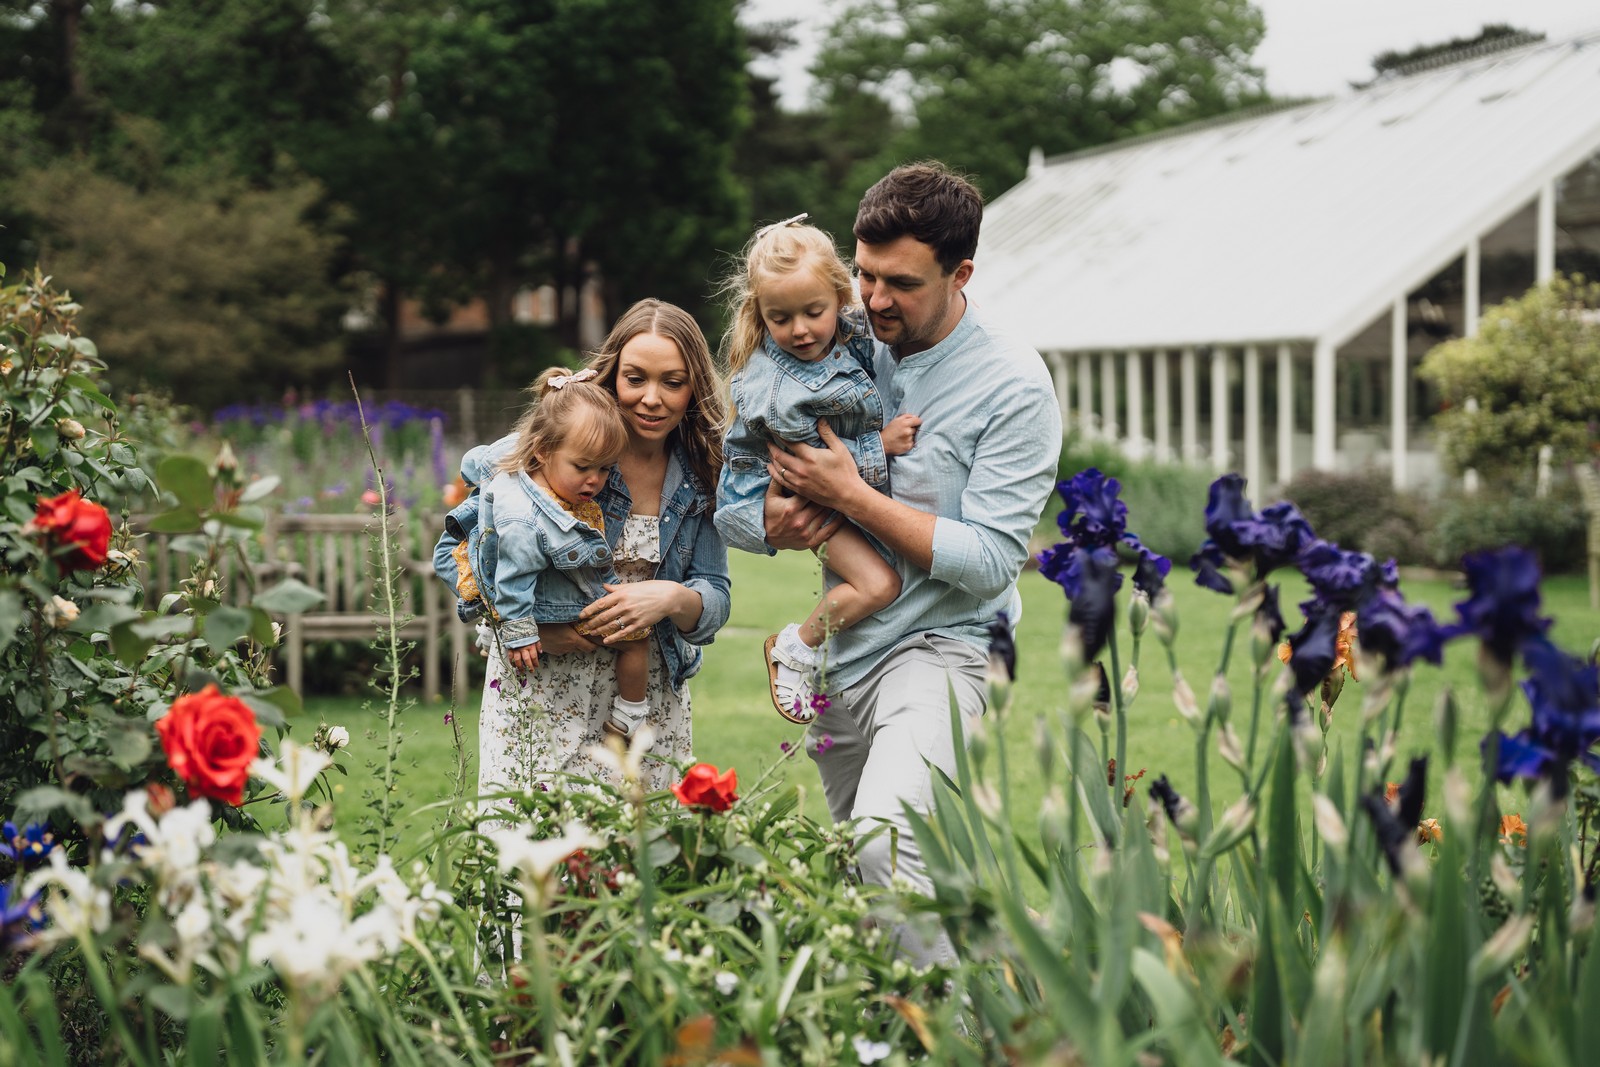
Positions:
(333, 554)
(1589, 488)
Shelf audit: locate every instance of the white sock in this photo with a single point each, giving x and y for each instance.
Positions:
(631, 712)
(790, 651)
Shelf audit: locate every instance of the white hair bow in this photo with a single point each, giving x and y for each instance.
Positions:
(780, 225)
(586, 374)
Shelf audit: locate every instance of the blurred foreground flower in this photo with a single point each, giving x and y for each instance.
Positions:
(704, 787)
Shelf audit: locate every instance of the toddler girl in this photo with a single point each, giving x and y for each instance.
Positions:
(533, 548)
(798, 352)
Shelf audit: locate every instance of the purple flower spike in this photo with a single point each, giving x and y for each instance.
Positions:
(1564, 692)
(1238, 537)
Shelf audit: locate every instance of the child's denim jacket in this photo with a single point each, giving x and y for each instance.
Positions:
(576, 558)
(776, 395)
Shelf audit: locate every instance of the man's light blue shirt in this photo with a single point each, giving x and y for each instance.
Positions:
(984, 465)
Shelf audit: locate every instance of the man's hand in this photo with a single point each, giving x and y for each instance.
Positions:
(900, 434)
(525, 658)
(793, 522)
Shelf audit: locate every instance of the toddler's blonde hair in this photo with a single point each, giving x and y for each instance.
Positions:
(583, 414)
(776, 251)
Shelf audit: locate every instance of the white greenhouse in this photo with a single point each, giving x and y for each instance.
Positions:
(1256, 293)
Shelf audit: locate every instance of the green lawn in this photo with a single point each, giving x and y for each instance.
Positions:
(736, 726)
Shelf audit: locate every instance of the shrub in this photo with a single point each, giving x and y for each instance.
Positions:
(1553, 527)
(1362, 511)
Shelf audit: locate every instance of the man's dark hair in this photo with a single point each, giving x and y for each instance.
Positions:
(926, 201)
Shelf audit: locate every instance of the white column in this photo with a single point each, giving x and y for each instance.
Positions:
(1285, 415)
(1086, 395)
(1220, 405)
(1134, 366)
(1061, 375)
(1545, 257)
(1163, 405)
(1323, 396)
(1399, 391)
(1108, 395)
(1472, 288)
(1190, 401)
(1252, 418)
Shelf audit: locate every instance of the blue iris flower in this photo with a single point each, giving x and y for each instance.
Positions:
(1238, 536)
(1399, 632)
(1564, 692)
(27, 846)
(19, 917)
(1094, 520)
(1503, 610)
(1312, 652)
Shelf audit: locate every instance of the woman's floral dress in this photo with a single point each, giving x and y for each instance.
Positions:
(547, 720)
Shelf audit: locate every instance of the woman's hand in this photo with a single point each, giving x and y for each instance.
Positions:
(634, 607)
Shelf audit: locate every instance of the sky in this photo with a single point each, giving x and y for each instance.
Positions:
(1311, 47)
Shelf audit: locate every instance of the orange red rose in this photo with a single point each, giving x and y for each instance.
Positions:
(704, 787)
(77, 530)
(210, 740)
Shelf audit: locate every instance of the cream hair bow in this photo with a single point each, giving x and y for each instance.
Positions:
(586, 374)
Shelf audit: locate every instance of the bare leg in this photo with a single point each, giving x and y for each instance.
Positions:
(866, 584)
(633, 669)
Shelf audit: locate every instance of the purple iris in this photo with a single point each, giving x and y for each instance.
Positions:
(1238, 535)
(1503, 610)
(1150, 573)
(1342, 579)
(1564, 692)
(1312, 652)
(19, 918)
(1094, 520)
(27, 846)
(1400, 632)
(1002, 649)
(1093, 607)
(1268, 617)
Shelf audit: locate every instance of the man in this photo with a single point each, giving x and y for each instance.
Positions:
(964, 501)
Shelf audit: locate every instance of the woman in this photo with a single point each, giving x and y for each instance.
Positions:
(671, 565)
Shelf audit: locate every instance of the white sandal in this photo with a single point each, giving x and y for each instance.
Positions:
(792, 701)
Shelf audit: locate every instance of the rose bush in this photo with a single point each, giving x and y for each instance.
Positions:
(211, 740)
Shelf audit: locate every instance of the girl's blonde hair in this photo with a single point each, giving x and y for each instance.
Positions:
(776, 251)
(700, 432)
(577, 413)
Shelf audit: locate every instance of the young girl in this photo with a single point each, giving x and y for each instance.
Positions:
(533, 549)
(798, 352)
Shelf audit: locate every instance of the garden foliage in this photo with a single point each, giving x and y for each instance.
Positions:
(1533, 372)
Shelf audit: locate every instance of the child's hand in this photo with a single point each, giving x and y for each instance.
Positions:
(525, 658)
(900, 435)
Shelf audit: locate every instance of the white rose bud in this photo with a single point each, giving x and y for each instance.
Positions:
(71, 429)
(338, 737)
(60, 612)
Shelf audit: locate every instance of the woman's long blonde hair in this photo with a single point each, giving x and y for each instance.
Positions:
(776, 251)
(700, 432)
(579, 413)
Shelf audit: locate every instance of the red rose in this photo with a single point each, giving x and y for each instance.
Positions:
(79, 530)
(703, 787)
(211, 740)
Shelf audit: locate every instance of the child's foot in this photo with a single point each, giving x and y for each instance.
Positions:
(626, 717)
(790, 681)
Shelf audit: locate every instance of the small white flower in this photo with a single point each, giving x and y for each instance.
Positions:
(868, 1051)
(625, 762)
(296, 768)
(726, 982)
(537, 859)
(78, 907)
(338, 737)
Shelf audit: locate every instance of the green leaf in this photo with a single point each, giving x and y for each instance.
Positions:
(45, 799)
(261, 628)
(283, 698)
(10, 617)
(129, 745)
(172, 1001)
(176, 521)
(224, 625)
(45, 441)
(100, 618)
(259, 488)
(186, 478)
(289, 597)
(83, 385)
(266, 712)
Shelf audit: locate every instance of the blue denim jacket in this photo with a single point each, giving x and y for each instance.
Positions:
(692, 553)
(777, 395)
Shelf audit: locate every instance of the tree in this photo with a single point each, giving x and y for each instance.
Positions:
(1493, 35)
(1530, 378)
(985, 81)
(197, 282)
